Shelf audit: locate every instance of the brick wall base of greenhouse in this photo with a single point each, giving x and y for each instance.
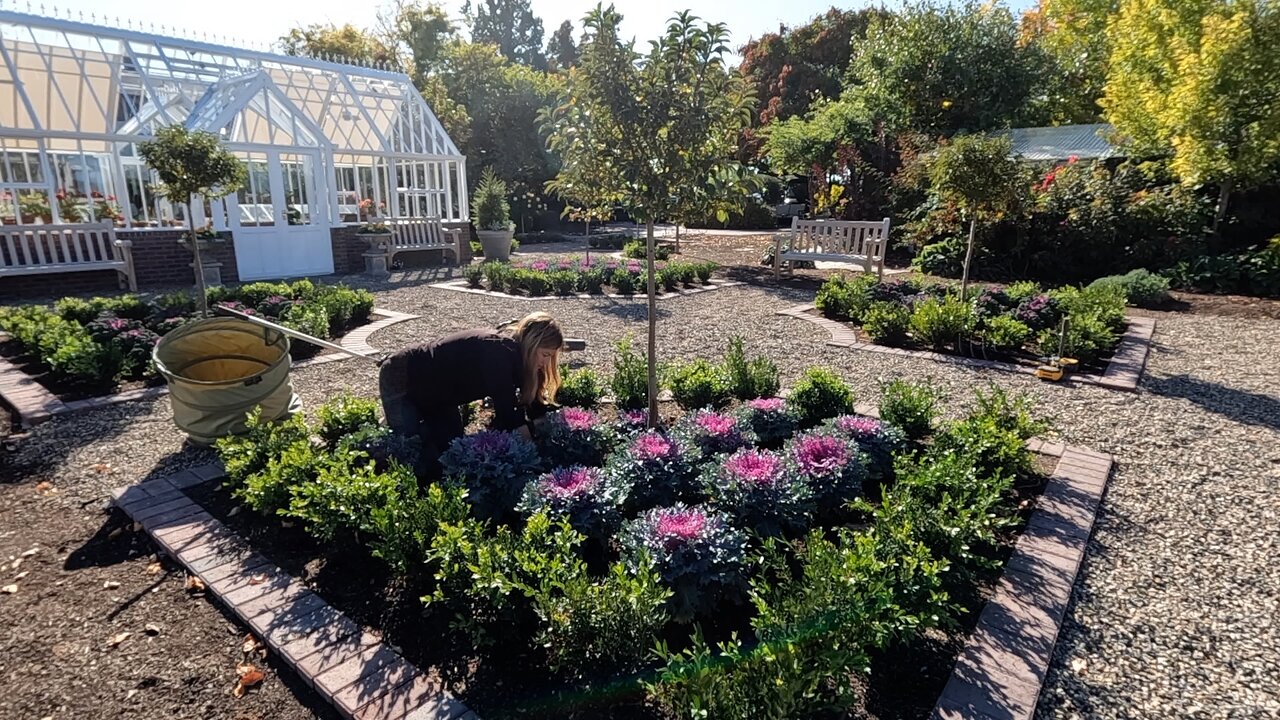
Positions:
(162, 264)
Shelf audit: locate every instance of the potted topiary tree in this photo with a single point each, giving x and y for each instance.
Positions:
(493, 217)
(192, 163)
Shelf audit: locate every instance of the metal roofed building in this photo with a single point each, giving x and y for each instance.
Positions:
(1086, 142)
(317, 137)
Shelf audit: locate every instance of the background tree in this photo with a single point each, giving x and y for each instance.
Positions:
(942, 69)
(347, 44)
(1073, 36)
(1199, 79)
(979, 174)
(562, 51)
(191, 164)
(422, 31)
(662, 123)
(509, 24)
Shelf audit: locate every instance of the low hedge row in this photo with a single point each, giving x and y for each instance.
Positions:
(583, 570)
(577, 275)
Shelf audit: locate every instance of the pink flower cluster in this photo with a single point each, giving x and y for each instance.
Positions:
(637, 418)
(578, 419)
(652, 446)
(682, 524)
(758, 467)
(569, 482)
(767, 404)
(858, 426)
(716, 423)
(821, 455)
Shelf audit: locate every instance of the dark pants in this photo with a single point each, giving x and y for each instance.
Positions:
(435, 425)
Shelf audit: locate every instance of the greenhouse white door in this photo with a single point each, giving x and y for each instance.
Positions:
(280, 218)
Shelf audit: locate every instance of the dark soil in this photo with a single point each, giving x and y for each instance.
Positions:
(905, 684)
(90, 580)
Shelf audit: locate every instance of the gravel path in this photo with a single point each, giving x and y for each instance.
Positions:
(1175, 613)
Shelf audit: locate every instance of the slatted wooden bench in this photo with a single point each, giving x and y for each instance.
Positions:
(43, 249)
(856, 242)
(425, 233)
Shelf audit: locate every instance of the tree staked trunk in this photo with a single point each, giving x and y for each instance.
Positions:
(968, 257)
(651, 290)
(1220, 212)
(202, 302)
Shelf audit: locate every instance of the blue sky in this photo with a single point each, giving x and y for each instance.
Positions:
(261, 22)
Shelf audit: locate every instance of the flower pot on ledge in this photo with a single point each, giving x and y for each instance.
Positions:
(496, 244)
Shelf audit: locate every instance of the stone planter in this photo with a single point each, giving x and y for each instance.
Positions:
(496, 244)
(376, 241)
(212, 272)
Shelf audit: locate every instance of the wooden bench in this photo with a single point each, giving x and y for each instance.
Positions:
(42, 249)
(424, 233)
(856, 242)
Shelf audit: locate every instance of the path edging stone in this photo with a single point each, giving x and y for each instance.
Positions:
(351, 668)
(461, 286)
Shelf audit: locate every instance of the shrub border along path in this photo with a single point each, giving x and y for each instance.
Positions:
(461, 286)
(1122, 373)
(1001, 669)
(997, 676)
(34, 404)
(362, 677)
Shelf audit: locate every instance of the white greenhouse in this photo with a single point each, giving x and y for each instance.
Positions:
(326, 144)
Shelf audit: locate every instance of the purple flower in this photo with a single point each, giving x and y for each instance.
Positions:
(820, 455)
(767, 404)
(565, 264)
(635, 418)
(856, 426)
(539, 265)
(652, 446)
(569, 482)
(758, 467)
(491, 442)
(716, 423)
(633, 266)
(578, 419)
(678, 526)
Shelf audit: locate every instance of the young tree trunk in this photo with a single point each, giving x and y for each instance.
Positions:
(968, 257)
(202, 300)
(651, 290)
(588, 240)
(1220, 212)
(677, 238)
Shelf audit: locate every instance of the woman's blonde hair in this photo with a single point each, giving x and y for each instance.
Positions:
(538, 331)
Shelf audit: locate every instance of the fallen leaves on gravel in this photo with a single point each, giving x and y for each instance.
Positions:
(118, 638)
(249, 677)
(44, 487)
(250, 644)
(257, 579)
(1079, 665)
(154, 568)
(9, 589)
(194, 584)
(101, 468)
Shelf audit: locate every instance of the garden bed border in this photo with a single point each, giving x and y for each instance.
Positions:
(459, 285)
(998, 674)
(1122, 373)
(350, 667)
(34, 404)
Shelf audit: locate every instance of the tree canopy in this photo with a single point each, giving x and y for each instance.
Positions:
(562, 51)
(511, 26)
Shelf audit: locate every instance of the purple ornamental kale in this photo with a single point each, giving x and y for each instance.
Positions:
(831, 466)
(698, 554)
(651, 470)
(761, 492)
(768, 420)
(579, 493)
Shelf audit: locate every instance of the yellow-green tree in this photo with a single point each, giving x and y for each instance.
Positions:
(1200, 80)
(1073, 33)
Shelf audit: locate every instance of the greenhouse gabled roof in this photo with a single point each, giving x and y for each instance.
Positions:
(75, 79)
(1063, 142)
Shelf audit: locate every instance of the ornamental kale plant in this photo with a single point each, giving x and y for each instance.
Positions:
(573, 436)
(494, 466)
(711, 433)
(759, 490)
(699, 555)
(830, 465)
(1039, 312)
(630, 421)
(653, 470)
(128, 339)
(992, 301)
(384, 446)
(579, 493)
(768, 420)
(879, 442)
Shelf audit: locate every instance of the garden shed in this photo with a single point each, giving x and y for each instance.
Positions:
(1059, 143)
(325, 144)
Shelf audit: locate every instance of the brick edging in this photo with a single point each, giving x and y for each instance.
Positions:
(350, 667)
(1122, 373)
(1000, 671)
(461, 286)
(34, 404)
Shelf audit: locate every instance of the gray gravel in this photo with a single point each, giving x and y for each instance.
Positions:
(1175, 614)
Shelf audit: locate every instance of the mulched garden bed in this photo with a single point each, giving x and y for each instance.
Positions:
(103, 345)
(905, 684)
